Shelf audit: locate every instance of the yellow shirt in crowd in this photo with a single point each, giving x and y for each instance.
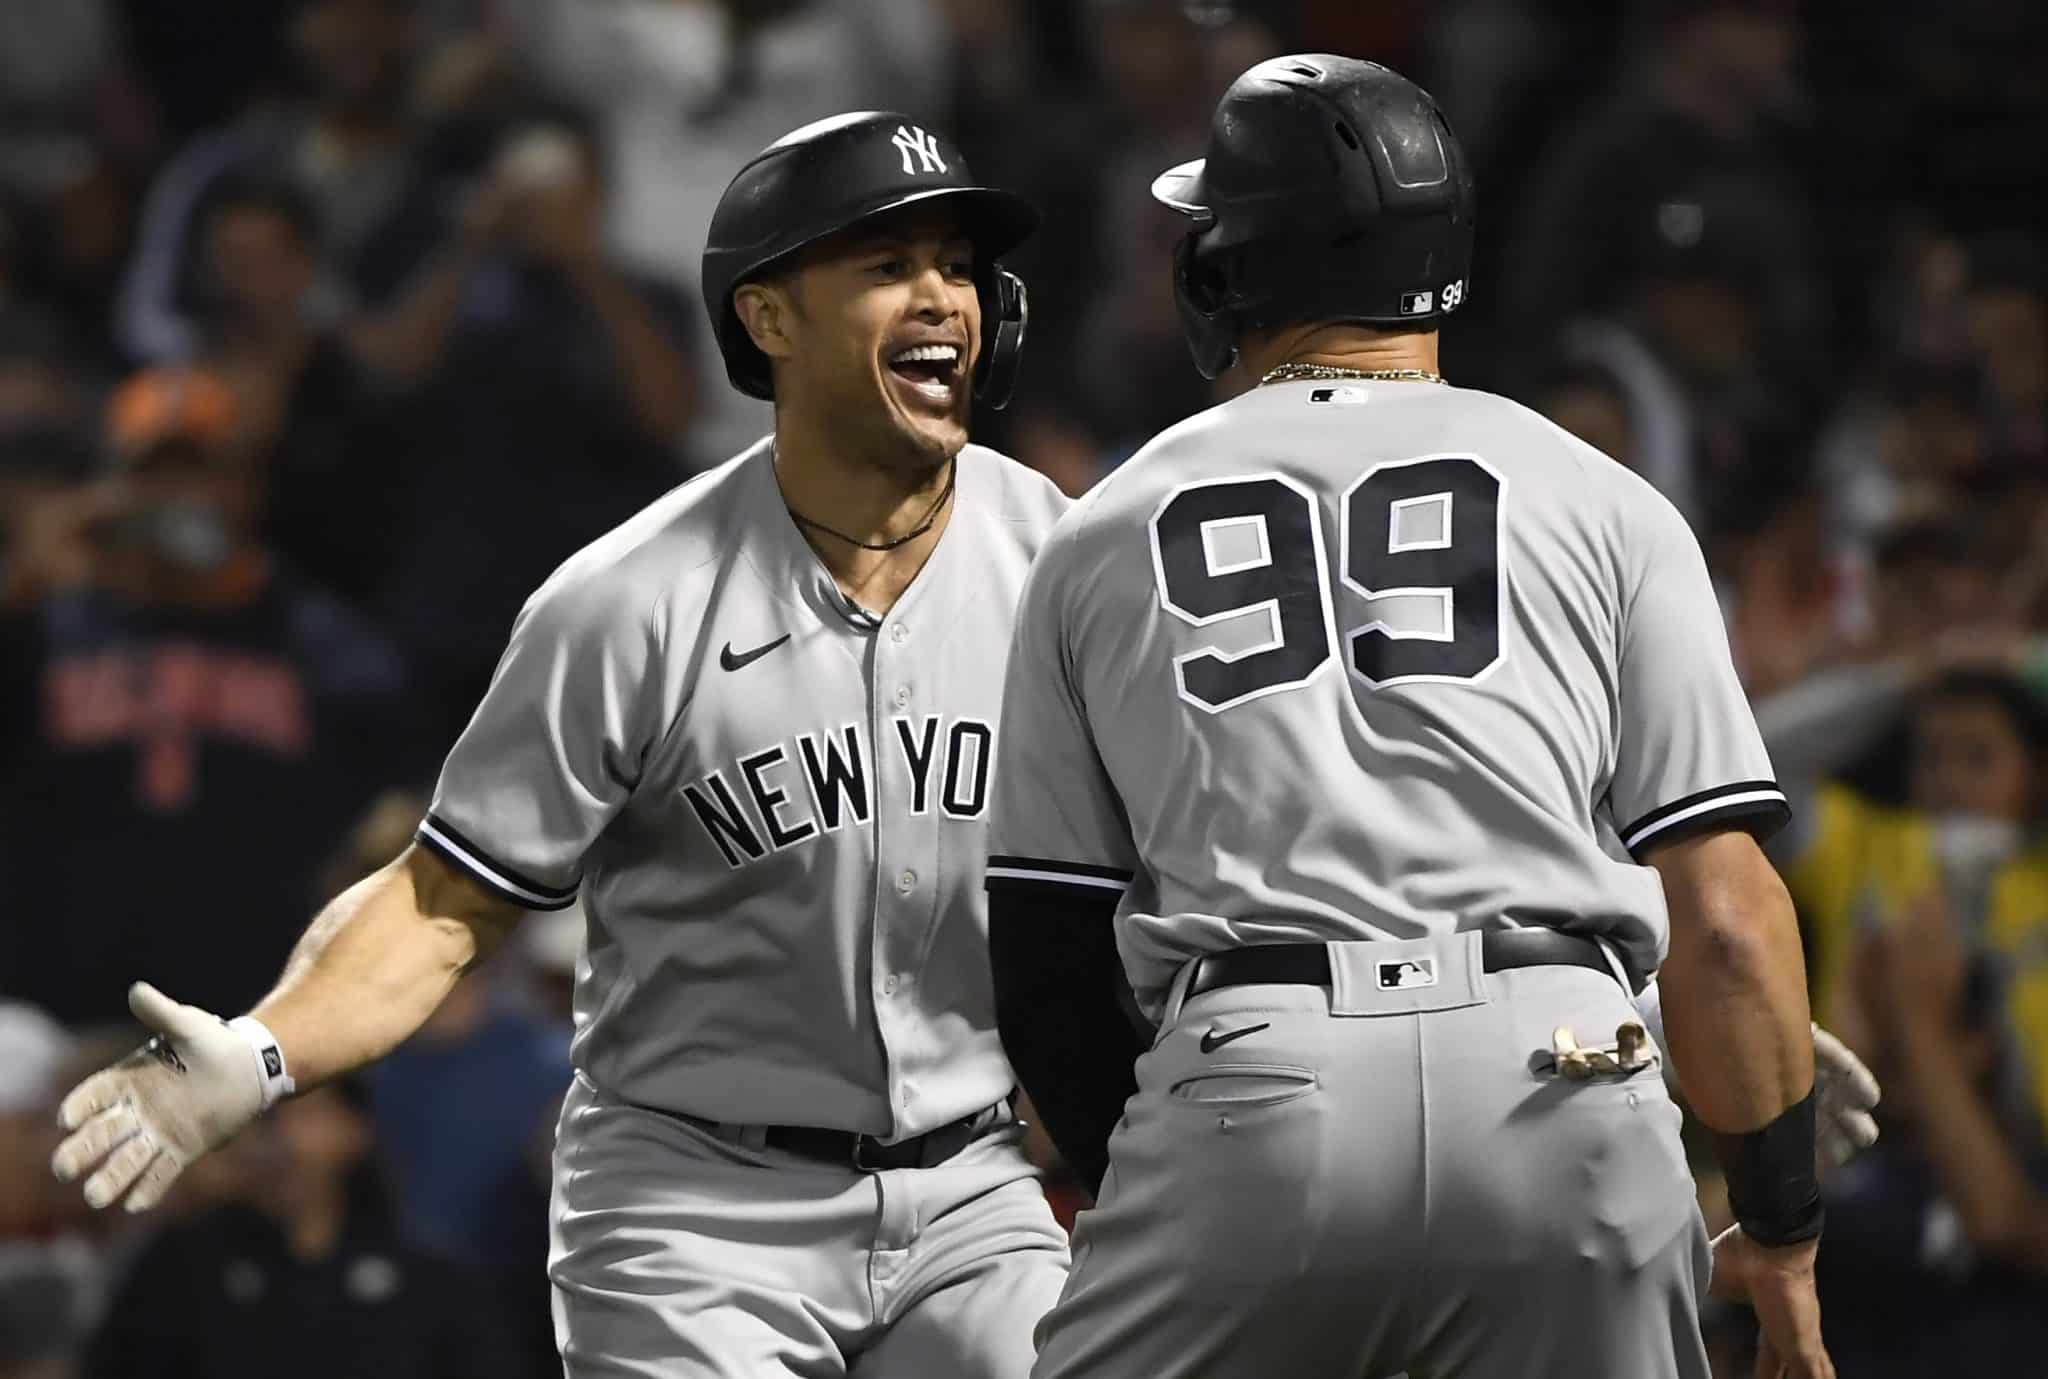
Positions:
(1866, 862)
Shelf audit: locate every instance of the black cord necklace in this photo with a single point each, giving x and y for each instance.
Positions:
(931, 515)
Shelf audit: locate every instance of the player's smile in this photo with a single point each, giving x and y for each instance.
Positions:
(927, 370)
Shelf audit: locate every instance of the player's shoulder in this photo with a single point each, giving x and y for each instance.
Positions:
(1517, 437)
(1018, 496)
(1170, 459)
(643, 562)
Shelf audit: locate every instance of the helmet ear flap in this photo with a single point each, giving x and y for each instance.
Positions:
(1005, 311)
(1201, 292)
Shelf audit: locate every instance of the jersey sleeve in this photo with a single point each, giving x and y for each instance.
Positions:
(1057, 824)
(1689, 758)
(554, 749)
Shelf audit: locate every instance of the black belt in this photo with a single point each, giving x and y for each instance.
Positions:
(870, 1155)
(1308, 964)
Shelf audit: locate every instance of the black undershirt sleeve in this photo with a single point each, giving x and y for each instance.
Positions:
(1065, 1015)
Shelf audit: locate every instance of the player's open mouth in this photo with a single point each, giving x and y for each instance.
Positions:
(928, 373)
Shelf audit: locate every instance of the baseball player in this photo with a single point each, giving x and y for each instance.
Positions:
(1339, 702)
(753, 728)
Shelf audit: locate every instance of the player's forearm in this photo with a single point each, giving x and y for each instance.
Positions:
(1056, 975)
(376, 962)
(1734, 984)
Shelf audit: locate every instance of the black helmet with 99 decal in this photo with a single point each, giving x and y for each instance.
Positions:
(1333, 190)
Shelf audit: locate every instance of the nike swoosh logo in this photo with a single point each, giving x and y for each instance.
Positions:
(729, 661)
(1213, 1041)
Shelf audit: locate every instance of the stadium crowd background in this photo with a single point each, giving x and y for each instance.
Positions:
(328, 328)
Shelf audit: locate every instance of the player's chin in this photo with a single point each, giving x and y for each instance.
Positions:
(932, 433)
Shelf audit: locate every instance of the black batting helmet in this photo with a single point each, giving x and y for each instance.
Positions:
(1333, 191)
(840, 171)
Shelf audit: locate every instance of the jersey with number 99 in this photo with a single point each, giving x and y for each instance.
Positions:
(1368, 660)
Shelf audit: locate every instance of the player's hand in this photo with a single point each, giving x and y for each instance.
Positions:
(136, 1125)
(1845, 1092)
(1778, 1284)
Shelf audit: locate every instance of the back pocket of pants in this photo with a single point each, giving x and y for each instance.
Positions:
(1245, 1085)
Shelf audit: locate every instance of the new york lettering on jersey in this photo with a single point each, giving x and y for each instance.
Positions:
(944, 763)
(757, 789)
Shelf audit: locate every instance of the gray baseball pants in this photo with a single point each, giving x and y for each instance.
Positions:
(1366, 1180)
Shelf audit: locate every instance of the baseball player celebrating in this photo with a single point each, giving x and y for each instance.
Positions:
(754, 729)
(1344, 696)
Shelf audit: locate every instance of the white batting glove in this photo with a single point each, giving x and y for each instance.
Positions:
(193, 1087)
(1844, 1093)
(1844, 1090)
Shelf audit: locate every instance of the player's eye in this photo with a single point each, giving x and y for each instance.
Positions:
(960, 267)
(890, 268)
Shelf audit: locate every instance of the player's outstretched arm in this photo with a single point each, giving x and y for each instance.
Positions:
(1735, 1011)
(367, 973)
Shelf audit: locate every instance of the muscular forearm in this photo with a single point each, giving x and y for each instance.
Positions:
(375, 964)
(1734, 985)
(1978, 1172)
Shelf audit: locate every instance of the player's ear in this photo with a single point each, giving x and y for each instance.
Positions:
(767, 311)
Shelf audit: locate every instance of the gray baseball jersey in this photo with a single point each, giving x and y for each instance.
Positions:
(772, 804)
(1367, 660)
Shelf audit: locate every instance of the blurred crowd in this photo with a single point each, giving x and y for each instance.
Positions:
(328, 327)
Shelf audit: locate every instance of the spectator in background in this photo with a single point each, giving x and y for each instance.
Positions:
(1701, 117)
(73, 127)
(310, 412)
(311, 1276)
(1942, 1234)
(175, 707)
(554, 387)
(1681, 345)
(1158, 78)
(44, 432)
(2007, 320)
(1924, 894)
(685, 91)
(1918, 775)
(351, 140)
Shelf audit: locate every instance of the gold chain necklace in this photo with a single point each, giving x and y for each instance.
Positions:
(1295, 373)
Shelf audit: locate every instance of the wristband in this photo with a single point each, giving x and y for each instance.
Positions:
(269, 1056)
(1773, 1186)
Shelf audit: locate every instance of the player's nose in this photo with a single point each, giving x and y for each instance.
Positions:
(931, 296)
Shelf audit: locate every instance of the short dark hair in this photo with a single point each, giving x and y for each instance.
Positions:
(2012, 696)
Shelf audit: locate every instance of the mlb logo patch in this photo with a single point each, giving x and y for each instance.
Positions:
(1407, 973)
(1417, 303)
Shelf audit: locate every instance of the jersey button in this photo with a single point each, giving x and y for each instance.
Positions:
(899, 633)
(903, 696)
(907, 882)
(909, 1093)
(889, 985)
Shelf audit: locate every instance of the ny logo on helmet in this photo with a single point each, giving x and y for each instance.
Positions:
(916, 142)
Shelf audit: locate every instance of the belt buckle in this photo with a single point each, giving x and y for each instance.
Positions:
(860, 1142)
